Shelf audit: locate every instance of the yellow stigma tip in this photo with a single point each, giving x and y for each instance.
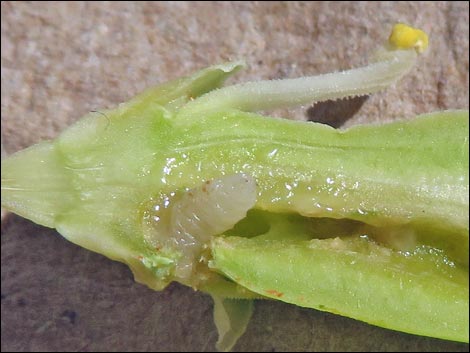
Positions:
(405, 37)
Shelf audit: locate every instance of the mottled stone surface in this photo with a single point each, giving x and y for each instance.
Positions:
(61, 60)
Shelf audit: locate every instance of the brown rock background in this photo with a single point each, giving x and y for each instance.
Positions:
(61, 60)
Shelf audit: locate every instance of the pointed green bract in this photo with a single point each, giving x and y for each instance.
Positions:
(231, 316)
(36, 185)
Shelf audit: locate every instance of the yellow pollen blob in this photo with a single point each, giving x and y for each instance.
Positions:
(405, 37)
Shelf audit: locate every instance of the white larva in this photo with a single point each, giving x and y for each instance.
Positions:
(185, 223)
